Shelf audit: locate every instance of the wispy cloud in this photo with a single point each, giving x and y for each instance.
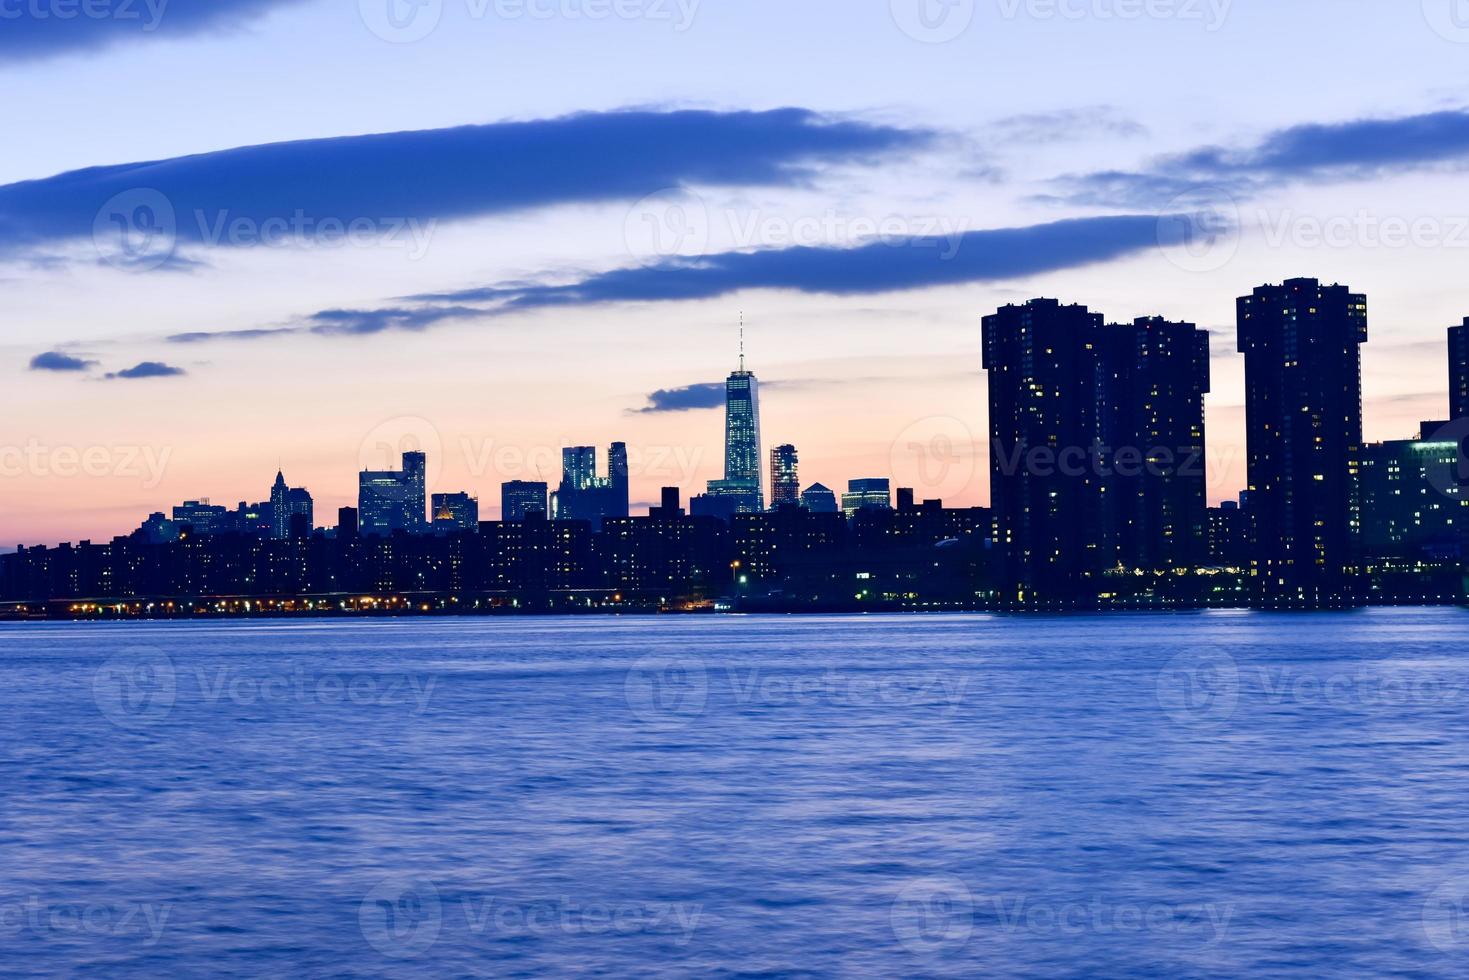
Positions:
(147, 369)
(1064, 125)
(393, 184)
(57, 361)
(1355, 150)
(879, 266)
(32, 30)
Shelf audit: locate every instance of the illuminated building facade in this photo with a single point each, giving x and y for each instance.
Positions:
(785, 480)
(1302, 343)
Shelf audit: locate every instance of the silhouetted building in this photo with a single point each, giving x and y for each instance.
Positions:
(346, 522)
(669, 504)
(202, 517)
(665, 556)
(1229, 536)
(415, 480)
(390, 500)
(785, 480)
(820, 499)
(158, 529)
(905, 499)
(863, 494)
(1155, 374)
(518, 498)
(1303, 406)
(455, 512)
(582, 495)
(1414, 505)
(287, 503)
(767, 545)
(1045, 385)
(1459, 371)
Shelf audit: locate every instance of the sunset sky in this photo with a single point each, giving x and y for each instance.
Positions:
(242, 234)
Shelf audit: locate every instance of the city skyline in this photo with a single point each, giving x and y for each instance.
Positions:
(665, 466)
(1348, 187)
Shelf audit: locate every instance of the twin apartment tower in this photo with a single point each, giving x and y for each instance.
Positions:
(1098, 444)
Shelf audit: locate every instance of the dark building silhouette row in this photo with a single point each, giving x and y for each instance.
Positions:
(1098, 454)
(1098, 487)
(921, 556)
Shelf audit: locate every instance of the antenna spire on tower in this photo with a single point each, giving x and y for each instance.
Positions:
(742, 341)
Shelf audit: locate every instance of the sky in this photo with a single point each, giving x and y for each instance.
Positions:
(237, 235)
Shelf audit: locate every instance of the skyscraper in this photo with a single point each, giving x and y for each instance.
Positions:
(867, 494)
(582, 495)
(390, 500)
(455, 512)
(280, 514)
(520, 497)
(415, 468)
(1414, 506)
(1459, 371)
(1044, 367)
(619, 500)
(1155, 374)
(785, 482)
(1303, 407)
(578, 467)
(741, 487)
(819, 499)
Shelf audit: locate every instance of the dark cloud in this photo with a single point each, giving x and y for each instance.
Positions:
(395, 185)
(1355, 150)
(148, 369)
(57, 361)
(880, 266)
(1068, 124)
(687, 398)
(30, 30)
